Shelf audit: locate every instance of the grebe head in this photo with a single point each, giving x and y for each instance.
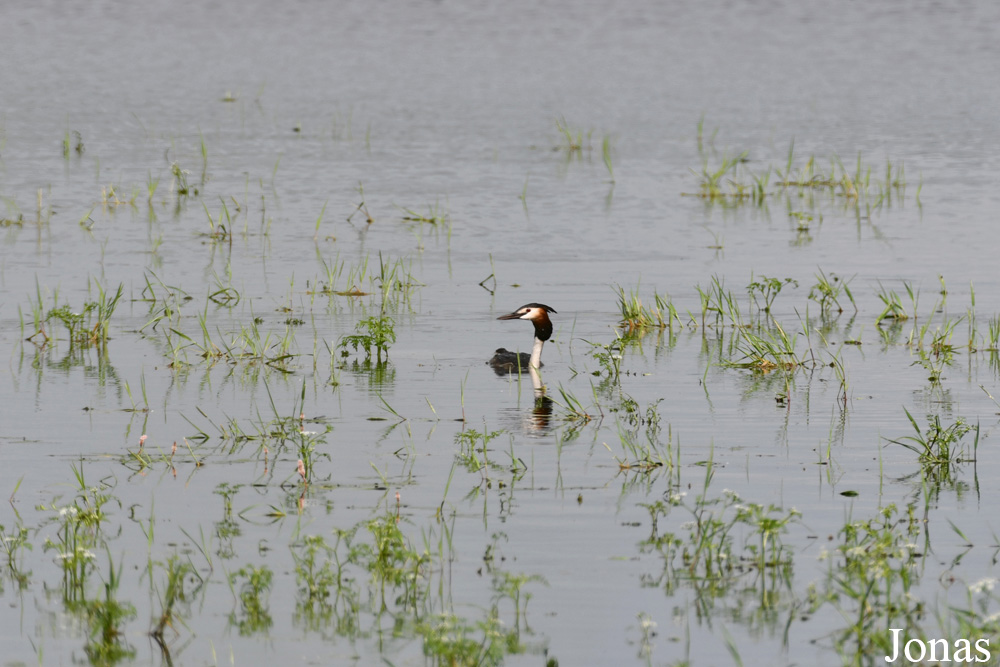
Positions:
(537, 314)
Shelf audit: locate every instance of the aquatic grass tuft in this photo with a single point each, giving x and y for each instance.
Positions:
(713, 183)
(992, 342)
(828, 290)
(220, 227)
(894, 309)
(768, 349)
(319, 220)
(606, 156)
(151, 185)
(635, 316)
(639, 437)
(396, 283)
(72, 143)
(362, 206)
(436, 214)
(731, 183)
(939, 449)
(574, 140)
(720, 302)
(87, 327)
(940, 352)
(572, 408)
(179, 184)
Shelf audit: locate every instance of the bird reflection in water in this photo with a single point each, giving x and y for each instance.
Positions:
(536, 420)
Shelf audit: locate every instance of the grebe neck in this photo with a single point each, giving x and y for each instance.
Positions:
(536, 353)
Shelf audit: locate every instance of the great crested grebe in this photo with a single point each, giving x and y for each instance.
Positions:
(507, 361)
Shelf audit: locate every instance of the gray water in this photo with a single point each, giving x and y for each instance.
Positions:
(452, 107)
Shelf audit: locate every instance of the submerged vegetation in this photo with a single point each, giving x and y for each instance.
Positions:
(380, 335)
(705, 544)
(730, 180)
(87, 327)
(380, 520)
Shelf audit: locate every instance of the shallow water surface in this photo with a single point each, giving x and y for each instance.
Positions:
(261, 180)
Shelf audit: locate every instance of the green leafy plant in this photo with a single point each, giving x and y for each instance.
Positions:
(828, 290)
(939, 448)
(251, 585)
(473, 447)
(380, 336)
(639, 436)
(90, 326)
(180, 182)
(767, 289)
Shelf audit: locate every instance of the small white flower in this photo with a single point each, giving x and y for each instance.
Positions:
(79, 553)
(855, 552)
(70, 510)
(982, 585)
